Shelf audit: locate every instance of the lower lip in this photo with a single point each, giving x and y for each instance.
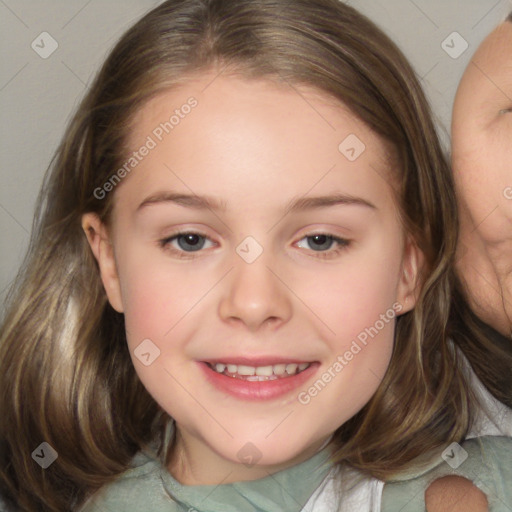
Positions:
(257, 390)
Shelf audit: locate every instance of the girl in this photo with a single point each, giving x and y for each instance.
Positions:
(237, 294)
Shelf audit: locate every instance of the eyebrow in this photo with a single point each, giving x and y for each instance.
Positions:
(208, 203)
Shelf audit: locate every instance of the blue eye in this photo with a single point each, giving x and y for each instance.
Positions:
(187, 242)
(321, 242)
(184, 244)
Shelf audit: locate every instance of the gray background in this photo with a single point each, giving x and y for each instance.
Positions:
(37, 96)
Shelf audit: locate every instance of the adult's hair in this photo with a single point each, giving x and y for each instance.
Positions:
(489, 352)
(66, 374)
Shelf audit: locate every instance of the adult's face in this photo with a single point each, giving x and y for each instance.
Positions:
(482, 163)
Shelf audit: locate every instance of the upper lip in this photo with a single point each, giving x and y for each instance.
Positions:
(256, 361)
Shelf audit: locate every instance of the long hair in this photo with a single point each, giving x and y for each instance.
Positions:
(66, 375)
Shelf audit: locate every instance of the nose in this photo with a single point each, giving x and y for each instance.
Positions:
(255, 295)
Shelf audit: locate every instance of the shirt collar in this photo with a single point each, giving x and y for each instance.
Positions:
(287, 490)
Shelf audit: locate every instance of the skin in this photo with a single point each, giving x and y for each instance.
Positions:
(255, 146)
(481, 130)
(481, 127)
(455, 494)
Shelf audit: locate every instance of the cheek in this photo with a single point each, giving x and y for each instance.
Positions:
(353, 295)
(483, 176)
(355, 303)
(358, 309)
(500, 157)
(365, 320)
(155, 295)
(159, 305)
(480, 142)
(470, 160)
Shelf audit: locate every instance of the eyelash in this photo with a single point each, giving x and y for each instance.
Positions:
(165, 244)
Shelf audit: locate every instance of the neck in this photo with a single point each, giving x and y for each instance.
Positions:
(192, 462)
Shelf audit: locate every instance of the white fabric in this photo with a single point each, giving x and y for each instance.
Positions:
(494, 419)
(365, 496)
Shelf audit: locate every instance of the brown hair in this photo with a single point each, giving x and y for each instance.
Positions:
(66, 374)
(489, 352)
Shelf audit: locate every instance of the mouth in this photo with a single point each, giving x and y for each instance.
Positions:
(263, 381)
(259, 373)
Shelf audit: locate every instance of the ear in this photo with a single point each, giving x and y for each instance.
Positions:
(103, 250)
(410, 281)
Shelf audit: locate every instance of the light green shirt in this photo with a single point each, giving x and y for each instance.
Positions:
(148, 486)
(485, 460)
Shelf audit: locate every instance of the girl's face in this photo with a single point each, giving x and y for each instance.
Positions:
(290, 252)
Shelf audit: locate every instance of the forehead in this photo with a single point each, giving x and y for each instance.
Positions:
(227, 100)
(493, 59)
(486, 86)
(496, 50)
(248, 139)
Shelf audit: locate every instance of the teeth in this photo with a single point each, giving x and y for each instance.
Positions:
(263, 370)
(261, 373)
(246, 370)
(257, 378)
(279, 369)
(291, 369)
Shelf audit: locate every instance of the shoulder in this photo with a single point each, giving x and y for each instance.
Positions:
(135, 489)
(475, 473)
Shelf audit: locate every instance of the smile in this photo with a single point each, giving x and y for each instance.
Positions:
(257, 383)
(259, 373)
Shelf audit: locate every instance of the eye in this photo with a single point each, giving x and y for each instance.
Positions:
(184, 242)
(505, 111)
(320, 242)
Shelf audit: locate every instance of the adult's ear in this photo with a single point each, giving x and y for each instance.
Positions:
(411, 279)
(103, 250)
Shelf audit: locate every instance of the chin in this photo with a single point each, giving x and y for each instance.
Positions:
(261, 451)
